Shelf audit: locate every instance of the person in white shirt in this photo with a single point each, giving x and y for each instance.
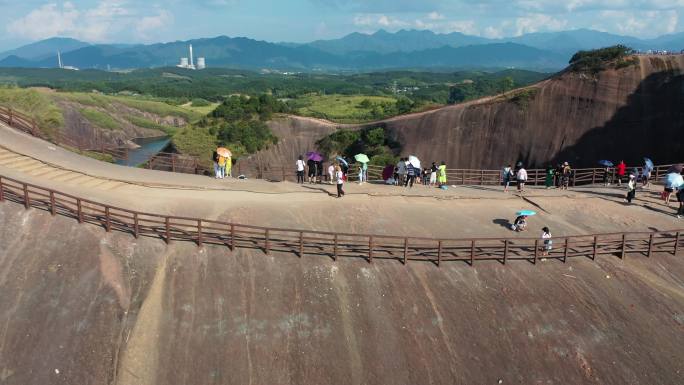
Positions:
(300, 170)
(340, 181)
(521, 176)
(546, 238)
(331, 173)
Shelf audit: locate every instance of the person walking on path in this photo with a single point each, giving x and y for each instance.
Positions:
(680, 198)
(410, 175)
(442, 174)
(433, 174)
(546, 239)
(548, 181)
(646, 176)
(621, 170)
(229, 167)
(631, 188)
(606, 176)
(222, 166)
(331, 173)
(300, 170)
(340, 181)
(311, 165)
(507, 175)
(401, 171)
(521, 176)
(364, 168)
(565, 178)
(215, 158)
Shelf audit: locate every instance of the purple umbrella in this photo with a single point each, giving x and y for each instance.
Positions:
(312, 155)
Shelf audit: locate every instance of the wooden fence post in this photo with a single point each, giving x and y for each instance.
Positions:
(505, 251)
(406, 250)
(283, 168)
(439, 253)
(567, 249)
(481, 177)
(2, 191)
(167, 230)
(79, 210)
(472, 252)
(136, 225)
(593, 176)
(536, 250)
(173, 162)
(674, 252)
(27, 199)
(335, 247)
(624, 246)
(199, 233)
(266, 248)
(370, 249)
(10, 117)
(232, 237)
(593, 257)
(650, 245)
(108, 222)
(53, 209)
(301, 245)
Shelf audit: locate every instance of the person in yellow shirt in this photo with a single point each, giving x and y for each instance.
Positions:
(441, 171)
(222, 167)
(229, 167)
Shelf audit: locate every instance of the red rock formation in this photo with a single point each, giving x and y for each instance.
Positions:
(618, 114)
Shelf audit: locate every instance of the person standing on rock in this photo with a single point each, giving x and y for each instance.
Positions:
(621, 170)
(331, 173)
(565, 177)
(300, 170)
(340, 181)
(311, 165)
(442, 174)
(433, 174)
(631, 188)
(548, 181)
(507, 175)
(521, 177)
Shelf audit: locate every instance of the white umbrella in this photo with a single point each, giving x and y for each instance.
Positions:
(414, 161)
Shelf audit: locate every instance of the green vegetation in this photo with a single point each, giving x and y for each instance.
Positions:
(238, 123)
(351, 109)
(156, 107)
(199, 102)
(374, 142)
(146, 123)
(473, 89)
(595, 61)
(100, 119)
(522, 98)
(35, 105)
(177, 86)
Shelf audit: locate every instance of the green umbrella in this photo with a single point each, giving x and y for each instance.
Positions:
(363, 158)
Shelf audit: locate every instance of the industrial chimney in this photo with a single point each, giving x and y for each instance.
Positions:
(192, 64)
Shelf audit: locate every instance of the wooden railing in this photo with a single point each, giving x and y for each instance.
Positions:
(334, 244)
(188, 164)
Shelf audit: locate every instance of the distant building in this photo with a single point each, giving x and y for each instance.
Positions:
(61, 65)
(189, 63)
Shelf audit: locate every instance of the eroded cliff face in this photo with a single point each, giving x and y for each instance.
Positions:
(618, 114)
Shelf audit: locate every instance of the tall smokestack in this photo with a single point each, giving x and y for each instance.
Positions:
(192, 64)
(59, 59)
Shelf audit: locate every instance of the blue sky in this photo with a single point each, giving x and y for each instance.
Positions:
(132, 21)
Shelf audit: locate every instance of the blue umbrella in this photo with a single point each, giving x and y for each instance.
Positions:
(648, 163)
(606, 163)
(674, 180)
(342, 160)
(527, 213)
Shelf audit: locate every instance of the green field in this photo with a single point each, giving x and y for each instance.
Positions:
(202, 110)
(35, 104)
(344, 109)
(100, 119)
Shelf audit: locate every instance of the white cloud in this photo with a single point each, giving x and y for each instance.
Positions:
(378, 20)
(104, 22)
(645, 23)
(538, 22)
(435, 16)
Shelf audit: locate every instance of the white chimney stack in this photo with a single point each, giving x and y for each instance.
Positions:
(59, 59)
(192, 63)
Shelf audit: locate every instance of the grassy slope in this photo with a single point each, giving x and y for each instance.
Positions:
(100, 119)
(339, 108)
(37, 105)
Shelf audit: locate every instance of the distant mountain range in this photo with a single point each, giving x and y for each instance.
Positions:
(409, 49)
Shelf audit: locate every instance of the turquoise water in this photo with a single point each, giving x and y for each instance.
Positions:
(149, 147)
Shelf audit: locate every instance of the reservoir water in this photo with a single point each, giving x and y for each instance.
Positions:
(149, 147)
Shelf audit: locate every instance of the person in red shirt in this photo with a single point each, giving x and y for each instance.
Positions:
(621, 170)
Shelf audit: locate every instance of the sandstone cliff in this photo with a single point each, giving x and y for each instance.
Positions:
(618, 114)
